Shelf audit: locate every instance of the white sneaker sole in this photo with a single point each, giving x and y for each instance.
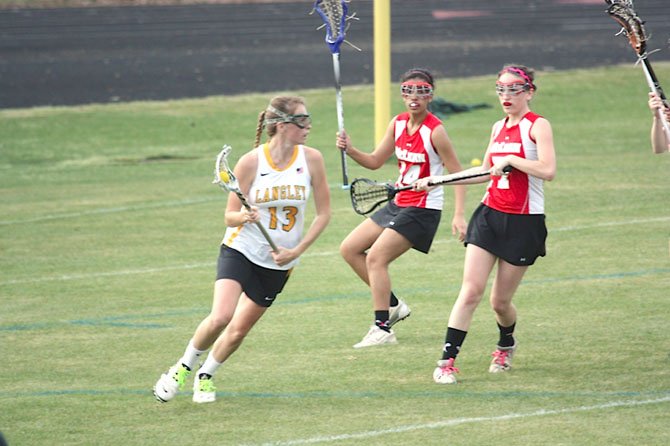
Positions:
(377, 337)
(362, 345)
(391, 324)
(204, 398)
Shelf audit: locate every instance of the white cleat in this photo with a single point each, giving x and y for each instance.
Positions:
(204, 390)
(445, 372)
(377, 336)
(398, 313)
(171, 382)
(502, 359)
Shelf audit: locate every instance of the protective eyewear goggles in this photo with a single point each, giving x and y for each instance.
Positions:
(419, 89)
(512, 88)
(301, 120)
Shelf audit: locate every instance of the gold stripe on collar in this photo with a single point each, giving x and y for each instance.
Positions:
(268, 158)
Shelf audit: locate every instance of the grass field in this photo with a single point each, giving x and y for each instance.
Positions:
(108, 241)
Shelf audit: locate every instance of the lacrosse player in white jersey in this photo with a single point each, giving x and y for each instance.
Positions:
(278, 178)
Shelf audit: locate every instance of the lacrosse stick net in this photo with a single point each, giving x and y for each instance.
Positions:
(334, 16)
(367, 195)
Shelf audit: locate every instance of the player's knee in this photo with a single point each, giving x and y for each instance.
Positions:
(375, 261)
(218, 322)
(236, 334)
(344, 250)
(348, 252)
(500, 306)
(471, 295)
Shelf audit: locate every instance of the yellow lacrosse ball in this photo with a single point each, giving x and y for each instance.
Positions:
(224, 176)
(475, 162)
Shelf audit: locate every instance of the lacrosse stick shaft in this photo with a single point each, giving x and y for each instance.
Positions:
(655, 87)
(340, 115)
(462, 177)
(652, 80)
(245, 203)
(455, 177)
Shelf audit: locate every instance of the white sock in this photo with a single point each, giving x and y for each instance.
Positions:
(210, 366)
(191, 355)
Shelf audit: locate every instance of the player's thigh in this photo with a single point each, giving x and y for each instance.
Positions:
(226, 295)
(246, 315)
(389, 246)
(507, 280)
(477, 267)
(361, 237)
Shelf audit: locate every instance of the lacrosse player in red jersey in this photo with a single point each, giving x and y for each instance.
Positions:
(660, 140)
(508, 227)
(410, 220)
(278, 178)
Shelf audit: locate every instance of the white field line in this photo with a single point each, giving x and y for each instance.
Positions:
(611, 223)
(460, 421)
(139, 207)
(128, 272)
(88, 276)
(164, 204)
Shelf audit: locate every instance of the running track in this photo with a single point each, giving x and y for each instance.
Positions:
(110, 54)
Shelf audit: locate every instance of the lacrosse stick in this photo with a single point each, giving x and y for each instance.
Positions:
(367, 195)
(224, 177)
(334, 15)
(623, 12)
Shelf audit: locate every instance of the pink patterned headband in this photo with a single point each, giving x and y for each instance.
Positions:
(521, 73)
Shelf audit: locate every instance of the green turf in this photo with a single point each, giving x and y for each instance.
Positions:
(108, 240)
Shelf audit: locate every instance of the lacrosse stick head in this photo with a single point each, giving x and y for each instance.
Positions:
(367, 195)
(334, 15)
(631, 25)
(223, 175)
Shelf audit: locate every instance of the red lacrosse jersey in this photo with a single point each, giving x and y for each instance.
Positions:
(523, 193)
(417, 158)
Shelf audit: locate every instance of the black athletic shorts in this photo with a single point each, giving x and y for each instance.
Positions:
(516, 238)
(418, 225)
(262, 285)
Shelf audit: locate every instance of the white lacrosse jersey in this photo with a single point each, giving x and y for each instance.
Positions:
(524, 194)
(281, 196)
